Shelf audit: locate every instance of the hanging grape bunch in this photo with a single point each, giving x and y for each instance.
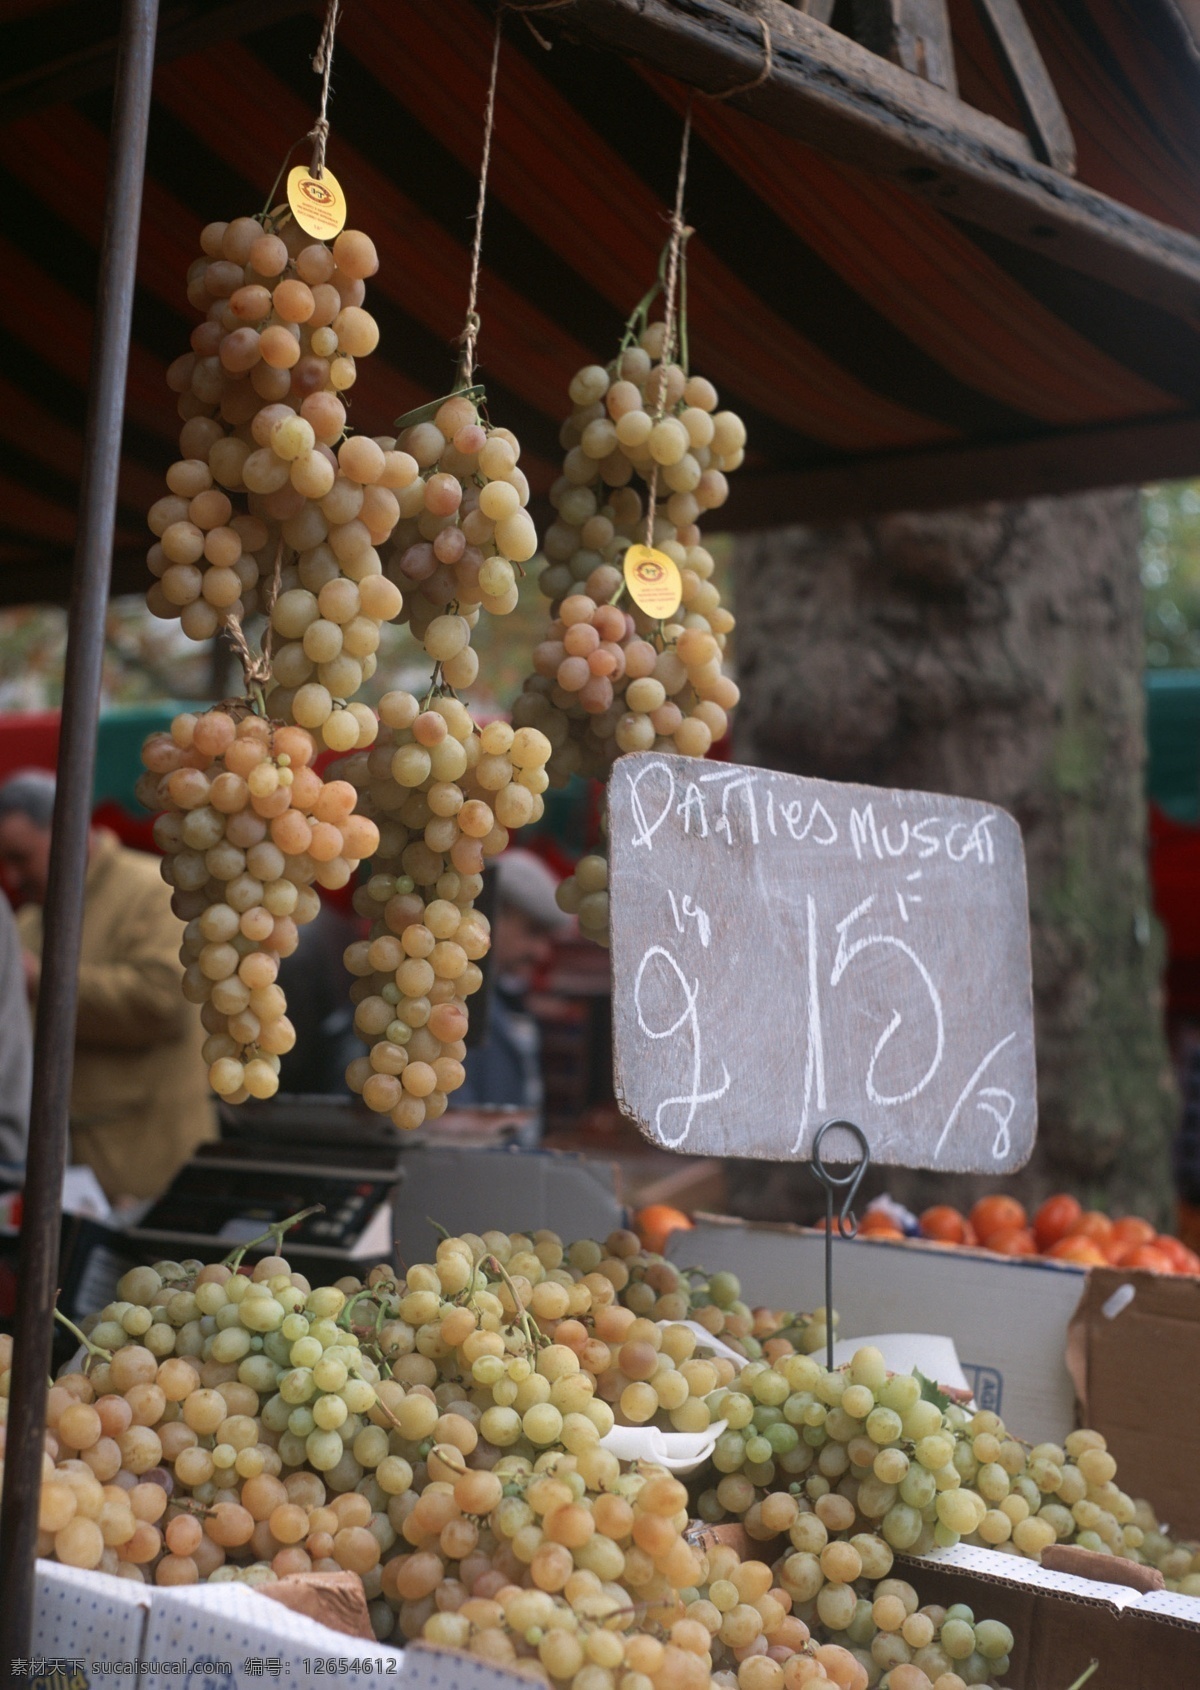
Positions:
(464, 529)
(609, 678)
(247, 827)
(272, 505)
(445, 796)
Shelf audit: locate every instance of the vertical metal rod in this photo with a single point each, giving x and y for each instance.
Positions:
(54, 1043)
(847, 1225)
(829, 1277)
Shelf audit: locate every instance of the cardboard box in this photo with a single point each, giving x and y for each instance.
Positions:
(1062, 1623)
(88, 1617)
(509, 1190)
(1134, 1354)
(1008, 1316)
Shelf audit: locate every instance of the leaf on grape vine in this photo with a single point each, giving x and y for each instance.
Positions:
(931, 1392)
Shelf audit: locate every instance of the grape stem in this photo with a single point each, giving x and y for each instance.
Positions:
(534, 1336)
(273, 1235)
(94, 1351)
(1084, 1676)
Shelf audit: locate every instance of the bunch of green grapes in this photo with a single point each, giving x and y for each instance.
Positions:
(445, 796)
(440, 1436)
(464, 529)
(246, 827)
(866, 1451)
(269, 482)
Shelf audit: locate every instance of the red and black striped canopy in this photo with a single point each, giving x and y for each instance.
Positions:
(881, 345)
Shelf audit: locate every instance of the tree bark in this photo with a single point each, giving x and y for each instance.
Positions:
(994, 652)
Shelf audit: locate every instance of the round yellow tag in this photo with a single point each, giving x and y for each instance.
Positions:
(653, 581)
(318, 205)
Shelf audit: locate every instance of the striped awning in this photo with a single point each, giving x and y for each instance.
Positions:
(886, 346)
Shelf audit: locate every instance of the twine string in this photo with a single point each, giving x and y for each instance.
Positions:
(323, 65)
(679, 234)
(764, 74)
(256, 669)
(470, 334)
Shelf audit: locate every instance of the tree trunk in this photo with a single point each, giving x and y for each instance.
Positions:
(994, 652)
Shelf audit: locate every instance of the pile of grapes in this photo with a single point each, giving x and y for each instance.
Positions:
(246, 827)
(442, 1436)
(608, 678)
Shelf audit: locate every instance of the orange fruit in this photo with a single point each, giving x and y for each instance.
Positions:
(1092, 1224)
(944, 1224)
(1013, 1241)
(653, 1224)
(1147, 1256)
(1183, 1259)
(996, 1214)
(1132, 1229)
(1057, 1218)
(1084, 1252)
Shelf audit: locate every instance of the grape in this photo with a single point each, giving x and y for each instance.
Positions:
(260, 497)
(609, 679)
(451, 1460)
(418, 964)
(243, 814)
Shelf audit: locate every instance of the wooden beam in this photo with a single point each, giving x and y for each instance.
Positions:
(187, 27)
(845, 101)
(914, 34)
(1029, 81)
(1123, 455)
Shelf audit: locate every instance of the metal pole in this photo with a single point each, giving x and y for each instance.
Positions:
(57, 996)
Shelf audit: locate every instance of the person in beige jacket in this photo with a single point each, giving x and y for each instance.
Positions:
(140, 1102)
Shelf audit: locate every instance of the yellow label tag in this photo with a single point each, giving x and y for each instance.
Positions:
(318, 206)
(653, 581)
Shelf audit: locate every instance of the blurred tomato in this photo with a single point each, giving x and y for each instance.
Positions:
(1085, 1252)
(996, 1214)
(944, 1224)
(1147, 1256)
(1057, 1218)
(876, 1224)
(653, 1223)
(1183, 1259)
(1092, 1224)
(1012, 1241)
(1132, 1229)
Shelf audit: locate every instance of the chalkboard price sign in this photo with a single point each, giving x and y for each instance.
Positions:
(787, 950)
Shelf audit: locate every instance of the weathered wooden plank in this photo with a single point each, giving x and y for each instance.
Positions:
(1070, 462)
(836, 96)
(1029, 80)
(914, 34)
(787, 950)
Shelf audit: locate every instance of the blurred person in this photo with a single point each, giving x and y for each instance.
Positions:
(140, 1102)
(506, 1068)
(16, 1048)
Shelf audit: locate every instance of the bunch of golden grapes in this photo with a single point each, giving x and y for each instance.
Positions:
(608, 678)
(445, 796)
(269, 484)
(441, 1436)
(464, 529)
(246, 828)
